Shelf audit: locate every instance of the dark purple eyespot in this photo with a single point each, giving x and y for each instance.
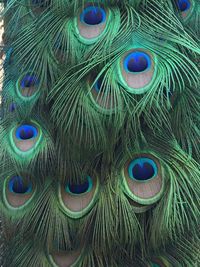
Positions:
(29, 81)
(183, 5)
(93, 15)
(137, 61)
(142, 169)
(82, 188)
(18, 186)
(26, 132)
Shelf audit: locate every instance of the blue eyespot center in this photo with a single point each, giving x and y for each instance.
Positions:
(98, 85)
(137, 61)
(142, 169)
(93, 15)
(18, 186)
(183, 5)
(82, 188)
(26, 132)
(29, 81)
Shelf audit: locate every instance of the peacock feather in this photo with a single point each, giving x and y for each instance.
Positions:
(100, 133)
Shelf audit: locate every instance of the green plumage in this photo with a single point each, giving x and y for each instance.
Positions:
(99, 133)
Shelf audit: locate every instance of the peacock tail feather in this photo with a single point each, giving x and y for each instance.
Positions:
(100, 133)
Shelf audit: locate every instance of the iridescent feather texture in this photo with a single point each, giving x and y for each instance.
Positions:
(100, 133)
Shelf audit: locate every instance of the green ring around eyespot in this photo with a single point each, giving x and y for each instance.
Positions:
(82, 213)
(25, 153)
(111, 14)
(123, 83)
(139, 200)
(7, 203)
(141, 209)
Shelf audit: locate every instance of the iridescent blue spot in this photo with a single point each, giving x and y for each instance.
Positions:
(142, 169)
(137, 61)
(12, 107)
(18, 186)
(98, 85)
(93, 15)
(26, 132)
(183, 5)
(82, 188)
(29, 81)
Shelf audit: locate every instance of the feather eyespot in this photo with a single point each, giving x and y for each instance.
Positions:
(137, 71)
(28, 85)
(77, 199)
(185, 7)
(25, 137)
(91, 22)
(142, 179)
(65, 258)
(18, 190)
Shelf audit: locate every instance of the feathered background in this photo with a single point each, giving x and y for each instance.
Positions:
(100, 133)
